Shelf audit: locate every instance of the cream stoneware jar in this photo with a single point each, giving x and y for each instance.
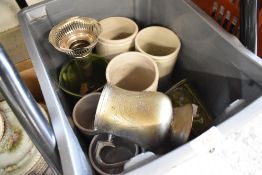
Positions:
(133, 71)
(162, 45)
(117, 36)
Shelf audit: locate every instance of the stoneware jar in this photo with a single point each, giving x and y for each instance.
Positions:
(117, 36)
(133, 71)
(162, 45)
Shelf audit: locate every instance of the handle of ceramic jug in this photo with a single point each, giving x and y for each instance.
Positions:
(248, 24)
(28, 113)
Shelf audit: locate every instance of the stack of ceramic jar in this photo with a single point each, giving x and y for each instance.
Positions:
(157, 44)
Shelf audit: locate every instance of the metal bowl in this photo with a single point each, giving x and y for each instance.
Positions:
(76, 36)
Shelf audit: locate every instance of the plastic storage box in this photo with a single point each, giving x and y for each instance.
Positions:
(226, 75)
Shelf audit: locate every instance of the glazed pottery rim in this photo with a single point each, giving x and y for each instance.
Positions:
(118, 41)
(79, 126)
(156, 58)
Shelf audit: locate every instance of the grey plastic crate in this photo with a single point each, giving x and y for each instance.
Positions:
(225, 74)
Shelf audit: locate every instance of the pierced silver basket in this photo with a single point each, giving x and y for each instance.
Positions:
(76, 36)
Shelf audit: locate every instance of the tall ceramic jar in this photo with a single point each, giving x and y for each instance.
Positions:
(18, 155)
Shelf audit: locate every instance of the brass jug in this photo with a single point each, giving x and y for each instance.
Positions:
(142, 117)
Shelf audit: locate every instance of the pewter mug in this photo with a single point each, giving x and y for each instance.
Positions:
(142, 117)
